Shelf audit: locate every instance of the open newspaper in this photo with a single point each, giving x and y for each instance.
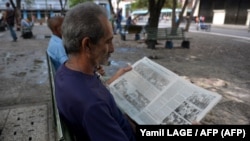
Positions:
(151, 94)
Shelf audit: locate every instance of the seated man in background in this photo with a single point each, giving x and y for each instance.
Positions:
(26, 27)
(129, 22)
(55, 48)
(27, 22)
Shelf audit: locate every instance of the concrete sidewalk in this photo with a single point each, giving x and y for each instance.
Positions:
(39, 31)
(25, 100)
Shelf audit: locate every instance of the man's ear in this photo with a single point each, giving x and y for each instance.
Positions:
(57, 30)
(86, 43)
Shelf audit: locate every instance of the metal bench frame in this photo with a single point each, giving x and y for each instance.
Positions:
(132, 29)
(168, 34)
(63, 132)
(27, 32)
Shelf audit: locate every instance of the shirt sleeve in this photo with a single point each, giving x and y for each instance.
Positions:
(62, 55)
(102, 126)
(59, 52)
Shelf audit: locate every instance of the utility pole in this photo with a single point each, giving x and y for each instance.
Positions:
(46, 11)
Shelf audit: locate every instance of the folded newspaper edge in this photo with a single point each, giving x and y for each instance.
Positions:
(153, 95)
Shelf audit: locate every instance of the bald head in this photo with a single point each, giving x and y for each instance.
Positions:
(54, 24)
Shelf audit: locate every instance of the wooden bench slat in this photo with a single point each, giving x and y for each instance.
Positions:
(168, 34)
(132, 29)
(63, 132)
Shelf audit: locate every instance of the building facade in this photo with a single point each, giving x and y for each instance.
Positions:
(225, 11)
(41, 9)
(215, 11)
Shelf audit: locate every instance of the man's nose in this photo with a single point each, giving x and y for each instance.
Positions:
(111, 48)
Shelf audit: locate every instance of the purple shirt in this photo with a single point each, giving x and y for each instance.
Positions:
(89, 108)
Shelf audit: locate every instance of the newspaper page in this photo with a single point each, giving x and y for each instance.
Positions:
(151, 94)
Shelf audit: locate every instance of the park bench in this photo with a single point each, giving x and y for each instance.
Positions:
(169, 34)
(2, 26)
(132, 29)
(63, 132)
(27, 32)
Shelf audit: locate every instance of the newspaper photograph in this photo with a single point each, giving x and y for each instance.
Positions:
(152, 94)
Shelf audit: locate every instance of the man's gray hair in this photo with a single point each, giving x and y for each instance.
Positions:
(82, 21)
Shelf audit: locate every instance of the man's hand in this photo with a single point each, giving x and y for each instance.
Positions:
(119, 73)
(100, 70)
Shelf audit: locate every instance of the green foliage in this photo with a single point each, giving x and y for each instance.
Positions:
(75, 2)
(143, 4)
(139, 4)
(29, 2)
(168, 4)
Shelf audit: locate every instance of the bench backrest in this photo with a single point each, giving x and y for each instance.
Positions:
(26, 29)
(154, 33)
(63, 132)
(175, 33)
(134, 29)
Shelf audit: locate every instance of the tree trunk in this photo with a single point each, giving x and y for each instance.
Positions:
(63, 6)
(189, 20)
(18, 16)
(174, 14)
(154, 8)
(111, 7)
(181, 14)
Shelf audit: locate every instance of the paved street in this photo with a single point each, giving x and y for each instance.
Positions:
(223, 30)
